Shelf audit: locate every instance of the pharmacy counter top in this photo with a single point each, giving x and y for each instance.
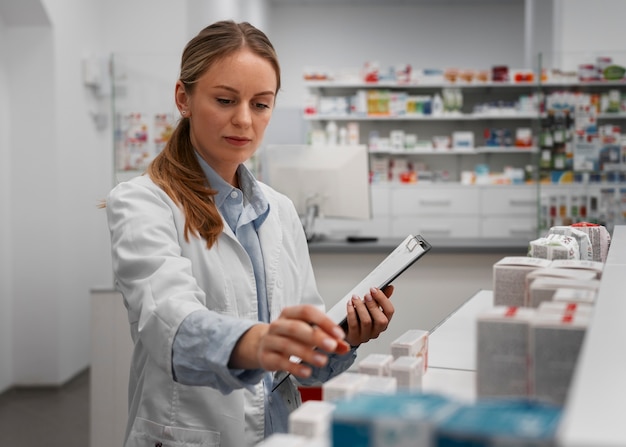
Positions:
(452, 350)
(510, 247)
(595, 412)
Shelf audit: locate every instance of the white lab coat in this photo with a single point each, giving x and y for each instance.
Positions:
(164, 278)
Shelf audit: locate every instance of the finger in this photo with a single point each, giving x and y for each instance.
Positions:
(378, 317)
(296, 337)
(383, 302)
(287, 347)
(363, 313)
(314, 316)
(273, 361)
(352, 320)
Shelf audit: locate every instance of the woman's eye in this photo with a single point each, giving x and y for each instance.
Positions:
(261, 105)
(224, 101)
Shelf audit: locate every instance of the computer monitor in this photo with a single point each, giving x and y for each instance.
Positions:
(322, 181)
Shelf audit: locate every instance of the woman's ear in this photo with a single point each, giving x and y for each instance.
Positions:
(182, 99)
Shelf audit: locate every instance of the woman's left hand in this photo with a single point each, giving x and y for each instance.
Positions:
(368, 317)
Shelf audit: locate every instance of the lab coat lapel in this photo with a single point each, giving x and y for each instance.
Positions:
(271, 237)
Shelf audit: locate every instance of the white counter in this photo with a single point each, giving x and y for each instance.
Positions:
(595, 412)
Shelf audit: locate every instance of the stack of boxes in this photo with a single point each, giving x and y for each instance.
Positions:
(528, 345)
(527, 348)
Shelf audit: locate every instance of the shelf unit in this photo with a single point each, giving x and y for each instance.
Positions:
(452, 162)
(448, 209)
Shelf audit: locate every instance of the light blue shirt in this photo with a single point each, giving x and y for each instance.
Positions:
(244, 210)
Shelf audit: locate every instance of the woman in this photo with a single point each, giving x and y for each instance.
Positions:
(214, 266)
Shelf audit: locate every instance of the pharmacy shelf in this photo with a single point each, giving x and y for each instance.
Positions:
(443, 117)
(414, 85)
(432, 85)
(457, 151)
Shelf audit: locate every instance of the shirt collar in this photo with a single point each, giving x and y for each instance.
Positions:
(256, 206)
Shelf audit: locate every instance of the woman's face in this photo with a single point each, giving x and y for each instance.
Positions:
(229, 109)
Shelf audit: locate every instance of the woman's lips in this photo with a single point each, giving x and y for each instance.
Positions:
(238, 141)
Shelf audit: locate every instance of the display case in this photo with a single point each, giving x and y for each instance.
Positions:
(499, 157)
(582, 161)
(143, 109)
(453, 156)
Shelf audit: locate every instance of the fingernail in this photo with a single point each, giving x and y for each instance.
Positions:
(373, 290)
(319, 359)
(368, 297)
(339, 333)
(355, 299)
(329, 344)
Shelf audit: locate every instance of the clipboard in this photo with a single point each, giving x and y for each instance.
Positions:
(397, 262)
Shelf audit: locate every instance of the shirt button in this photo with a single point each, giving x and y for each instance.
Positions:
(234, 194)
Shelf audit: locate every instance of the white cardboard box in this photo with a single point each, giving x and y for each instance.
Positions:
(502, 351)
(555, 343)
(509, 278)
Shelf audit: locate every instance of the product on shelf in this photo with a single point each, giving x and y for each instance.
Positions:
(376, 365)
(509, 278)
(555, 343)
(543, 289)
(384, 421)
(554, 246)
(500, 422)
(553, 272)
(502, 351)
(413, 343)
(312, 419)
(408, 372)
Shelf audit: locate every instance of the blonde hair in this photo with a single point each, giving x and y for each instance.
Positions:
(176, 169)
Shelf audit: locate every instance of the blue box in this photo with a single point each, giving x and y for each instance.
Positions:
(399, 420)
(505, 422)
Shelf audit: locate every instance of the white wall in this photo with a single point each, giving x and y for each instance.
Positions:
(6, 357)
(425, 34)
(588, 29)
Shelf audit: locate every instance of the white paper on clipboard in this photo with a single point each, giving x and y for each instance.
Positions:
(402, 257)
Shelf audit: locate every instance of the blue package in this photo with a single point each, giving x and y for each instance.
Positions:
(500, 422)
(398, 420)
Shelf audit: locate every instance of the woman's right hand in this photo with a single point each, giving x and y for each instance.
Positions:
(301, 331)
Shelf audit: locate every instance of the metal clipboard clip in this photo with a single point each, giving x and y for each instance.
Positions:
(412, 243)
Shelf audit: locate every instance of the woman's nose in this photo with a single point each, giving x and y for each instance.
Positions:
(242, 116)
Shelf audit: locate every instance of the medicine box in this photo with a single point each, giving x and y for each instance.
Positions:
(343, 386)
(502, 351)
(312, 419)
(543, 289)
(399, 420)
(509, 278)
(413, 343)
(379, 385)
(408, 371)
(584, 244)
(552, 272)
(599, 237)
(570, 295)
(500, 423)
(554, 246)
(593, 266)
(563, 307)
(376, 365)
(555, 343)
